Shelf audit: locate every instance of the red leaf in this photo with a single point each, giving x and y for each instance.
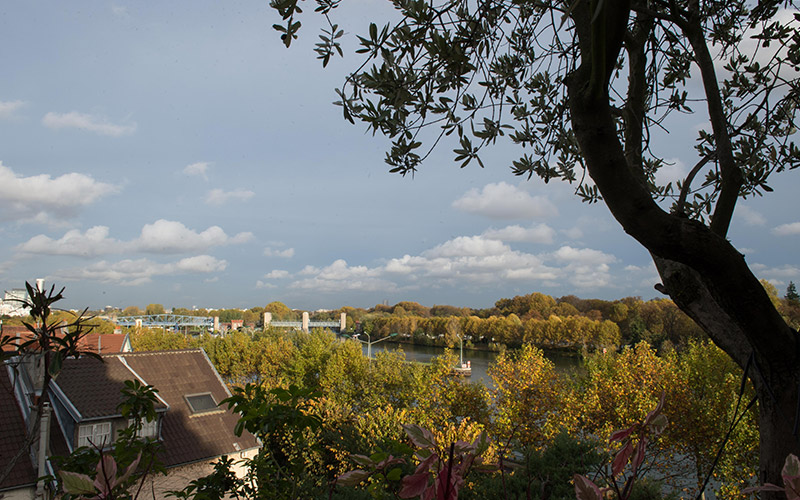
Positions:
(638, 455)
(585, 489)
(621, 434)
(419, 436)
(621, 459)
(414, 485)
(352, 478)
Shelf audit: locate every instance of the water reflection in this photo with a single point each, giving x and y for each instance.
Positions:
(565, 365)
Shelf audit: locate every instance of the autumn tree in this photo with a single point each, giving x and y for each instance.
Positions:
(584, 85)
(154, 309)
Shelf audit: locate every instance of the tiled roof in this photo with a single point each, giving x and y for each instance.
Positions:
(93, 386)
(12, 437)
(94, 389)
(188, 437)
(104, 344)
(108, 343)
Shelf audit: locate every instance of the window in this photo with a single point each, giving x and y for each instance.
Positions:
(94, 434)
(201, 403)
(148, 430)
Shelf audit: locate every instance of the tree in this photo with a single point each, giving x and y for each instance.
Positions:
(585, 85)
(152, 309)
(791, 293)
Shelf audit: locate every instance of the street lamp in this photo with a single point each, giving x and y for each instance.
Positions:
(461, 350)
(369, 341)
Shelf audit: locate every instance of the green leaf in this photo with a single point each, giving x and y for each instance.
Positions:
(76, 484)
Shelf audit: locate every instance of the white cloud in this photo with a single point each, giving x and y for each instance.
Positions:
(262, 284)
(93, 242)
(585, 267)
(791, 229)
(90, 123)
(42, 198)
(130, 272)
(750, 216)
(504, 201)
(339, 276)
(274, 252)
(466, 261)
(199, 169)
(672, 171)
(219, 197)
(8, 108)
(201, 264)
(277, 274)
(541, 233)
(164, 236)
(161, 237)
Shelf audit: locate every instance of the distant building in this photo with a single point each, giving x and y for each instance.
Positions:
(193, 430)
(12, 303)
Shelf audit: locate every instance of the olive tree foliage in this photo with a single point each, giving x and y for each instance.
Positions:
(583, 87)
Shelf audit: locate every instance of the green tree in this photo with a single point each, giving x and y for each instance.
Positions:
(154, 309)
(791, 293)
(582, 84)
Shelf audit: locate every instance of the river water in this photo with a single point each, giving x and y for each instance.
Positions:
(565, 365)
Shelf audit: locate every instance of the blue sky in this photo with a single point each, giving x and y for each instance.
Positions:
(177, 153)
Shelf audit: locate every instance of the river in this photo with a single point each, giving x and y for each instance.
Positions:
(565, 365)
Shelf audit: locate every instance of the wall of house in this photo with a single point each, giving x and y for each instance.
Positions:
(19, 494)
(178, 478)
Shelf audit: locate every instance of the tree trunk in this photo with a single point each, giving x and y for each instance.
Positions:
(702, 272)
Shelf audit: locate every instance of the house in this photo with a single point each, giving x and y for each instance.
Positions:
(193, 430)
(21, 482)
(95, 342)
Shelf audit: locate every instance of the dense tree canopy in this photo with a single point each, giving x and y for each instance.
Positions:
(583, 86)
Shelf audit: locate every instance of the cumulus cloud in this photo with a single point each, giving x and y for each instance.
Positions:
(91, 243)
(219, 197)
(199, 169)
(263, 284)
(130, 272)
(90, 123)
(43, 198)
(585, 267)
(286, 253)
(161, 237)
(277, 274)
(541, 233)
(791, 229)
(339, 276)
(750, 216)
(504, 201)
(164, 236)
(8, 108)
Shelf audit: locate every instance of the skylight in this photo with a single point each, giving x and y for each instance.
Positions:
(201, 403)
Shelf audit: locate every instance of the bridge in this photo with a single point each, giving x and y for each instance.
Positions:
(305, 324)
(166, 321)
(176, 321)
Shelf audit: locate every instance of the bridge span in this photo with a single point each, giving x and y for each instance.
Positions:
(176, 322)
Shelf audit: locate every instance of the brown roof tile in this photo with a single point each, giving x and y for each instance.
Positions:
(12, 437)
(108, 343)
(94, 389)
(188, 437)
(93, 386)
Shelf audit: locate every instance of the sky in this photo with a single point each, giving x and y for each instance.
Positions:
(178, 153)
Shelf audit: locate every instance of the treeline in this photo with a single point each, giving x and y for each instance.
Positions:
(528, 410)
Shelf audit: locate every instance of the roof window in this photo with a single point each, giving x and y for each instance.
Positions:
(201, 403)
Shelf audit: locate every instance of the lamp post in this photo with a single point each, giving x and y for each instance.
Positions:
(461, 351)
(369, 341)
